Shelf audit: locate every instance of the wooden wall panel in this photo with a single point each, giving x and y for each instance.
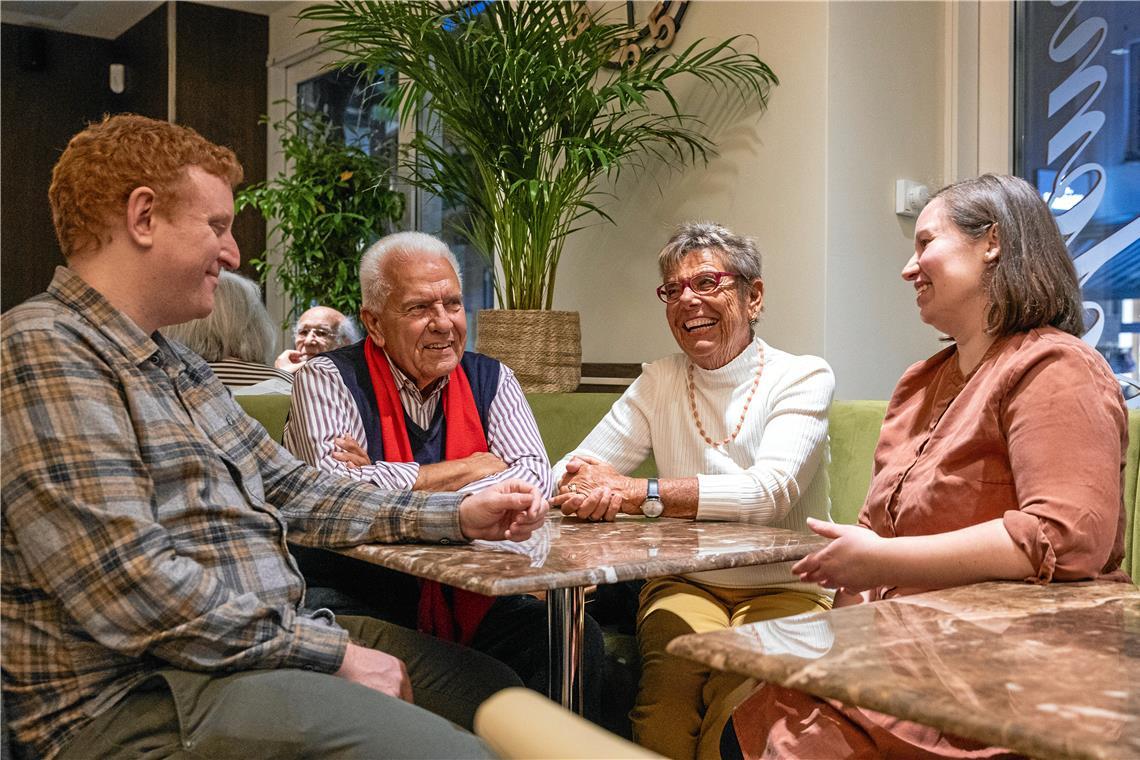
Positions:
(55, 83)
(51, 85)
(143, 48)
(221, 91)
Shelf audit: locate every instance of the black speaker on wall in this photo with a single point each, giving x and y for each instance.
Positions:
(31, 49)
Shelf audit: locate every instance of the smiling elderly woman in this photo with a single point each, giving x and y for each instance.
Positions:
(738, 430)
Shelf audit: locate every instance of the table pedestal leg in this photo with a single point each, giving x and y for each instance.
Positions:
(566, 620)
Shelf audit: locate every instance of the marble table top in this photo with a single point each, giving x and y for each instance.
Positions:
(572, 552)
(1049, 671)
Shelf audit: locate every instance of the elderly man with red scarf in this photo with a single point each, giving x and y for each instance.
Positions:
(407, 408)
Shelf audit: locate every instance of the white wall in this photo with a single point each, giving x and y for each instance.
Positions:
(867, 91)
(860, 104)
(768, 182)
(886, 95)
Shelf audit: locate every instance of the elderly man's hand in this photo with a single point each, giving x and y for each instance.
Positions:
(593, 490)
(289, 360)
(350, 452)
(509, 510)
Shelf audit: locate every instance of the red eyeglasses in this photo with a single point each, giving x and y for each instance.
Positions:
(702, 283)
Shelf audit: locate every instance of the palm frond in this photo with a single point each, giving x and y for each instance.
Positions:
(524, 93)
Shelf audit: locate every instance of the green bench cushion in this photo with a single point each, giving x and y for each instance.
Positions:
(270, 410)
(854, 431)
(564, 419)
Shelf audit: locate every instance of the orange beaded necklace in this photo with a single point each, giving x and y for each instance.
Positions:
(743, 412)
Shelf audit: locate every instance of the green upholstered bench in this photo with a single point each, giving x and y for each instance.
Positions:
(855, 430)
(270, 410)
(564, 419)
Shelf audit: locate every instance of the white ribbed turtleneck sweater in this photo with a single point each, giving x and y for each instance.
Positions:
(773, 473)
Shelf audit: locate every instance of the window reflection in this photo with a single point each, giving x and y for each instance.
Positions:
(1077, 127)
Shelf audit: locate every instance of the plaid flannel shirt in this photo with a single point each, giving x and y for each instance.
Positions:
(144, 519)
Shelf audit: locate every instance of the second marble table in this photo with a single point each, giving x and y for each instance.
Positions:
(572, 554)
(1048, 671)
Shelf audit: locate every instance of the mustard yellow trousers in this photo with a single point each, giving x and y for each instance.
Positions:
(682, 706)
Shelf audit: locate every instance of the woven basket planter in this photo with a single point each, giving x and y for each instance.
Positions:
(544, 348)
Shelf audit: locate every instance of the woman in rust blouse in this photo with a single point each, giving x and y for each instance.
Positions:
(1000, 457)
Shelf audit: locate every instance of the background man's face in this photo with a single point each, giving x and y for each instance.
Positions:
(317, 330)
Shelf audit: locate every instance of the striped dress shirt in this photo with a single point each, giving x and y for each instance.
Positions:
(145, 517)
(420, 405)
(323, 409)
(235, 373)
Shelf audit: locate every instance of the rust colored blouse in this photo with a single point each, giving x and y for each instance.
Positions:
(1035, 435)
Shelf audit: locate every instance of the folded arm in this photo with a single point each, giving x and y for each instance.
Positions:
(513, 438)
(323, 411)
(325, 429)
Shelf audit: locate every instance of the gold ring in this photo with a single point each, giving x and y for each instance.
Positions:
(572, 488)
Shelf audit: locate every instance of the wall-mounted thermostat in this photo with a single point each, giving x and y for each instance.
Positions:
(910, 197)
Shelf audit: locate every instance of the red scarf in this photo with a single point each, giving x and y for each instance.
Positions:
(459, 620)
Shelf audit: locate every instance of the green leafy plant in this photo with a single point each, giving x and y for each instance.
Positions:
(332, 203)
(522, 90)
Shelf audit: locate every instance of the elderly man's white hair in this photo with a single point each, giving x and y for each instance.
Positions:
(374, 286)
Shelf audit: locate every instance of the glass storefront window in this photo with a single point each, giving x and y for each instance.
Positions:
(353, 101)
(1077, 140)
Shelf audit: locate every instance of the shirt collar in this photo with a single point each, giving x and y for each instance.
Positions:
(409, 385)
(72, 291)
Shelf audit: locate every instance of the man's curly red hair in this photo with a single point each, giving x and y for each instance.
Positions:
(103, 164)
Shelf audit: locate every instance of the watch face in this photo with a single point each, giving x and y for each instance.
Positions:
(652, 508)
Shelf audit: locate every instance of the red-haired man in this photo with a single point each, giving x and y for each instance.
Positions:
(150, 606)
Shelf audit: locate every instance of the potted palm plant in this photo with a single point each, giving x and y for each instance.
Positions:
(331, 204)
(535, 117)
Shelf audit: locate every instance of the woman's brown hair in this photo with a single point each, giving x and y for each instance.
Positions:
(1032, 283)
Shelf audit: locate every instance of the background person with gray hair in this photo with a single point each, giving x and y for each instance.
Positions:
(237, 339)
(319, 329)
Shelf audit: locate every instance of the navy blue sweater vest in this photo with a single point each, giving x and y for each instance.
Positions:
(427, 445)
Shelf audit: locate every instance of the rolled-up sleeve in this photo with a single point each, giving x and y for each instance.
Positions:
(1066, 451)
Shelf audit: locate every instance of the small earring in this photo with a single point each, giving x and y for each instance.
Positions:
(991, 255)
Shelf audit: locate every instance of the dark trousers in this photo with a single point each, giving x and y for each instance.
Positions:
(514, 630)
(290, 713)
